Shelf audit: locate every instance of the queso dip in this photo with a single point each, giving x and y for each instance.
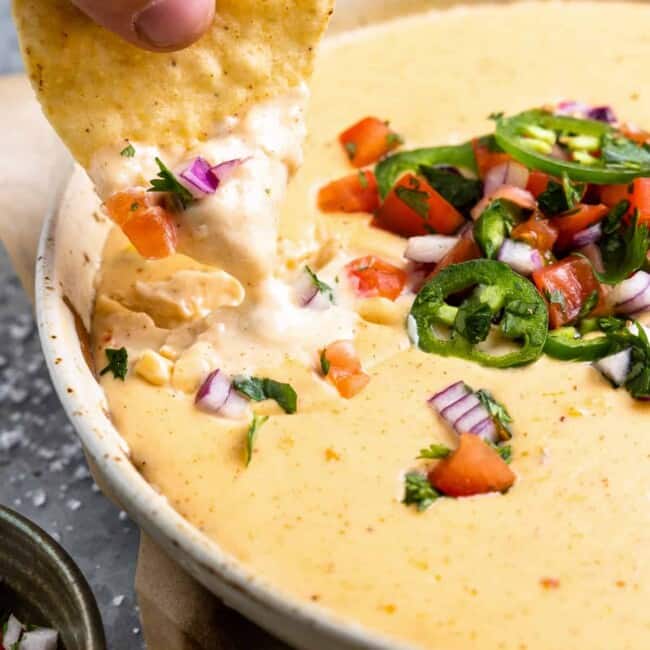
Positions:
(559, 560)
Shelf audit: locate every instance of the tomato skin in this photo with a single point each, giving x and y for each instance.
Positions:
(538, 233)
(473, 468)
(368, 140)
(466, 249)
(486, 159)
(611, 195)
(398, 217)
(149, 227)
(537, 182)
(572, 222)
(371, 276)
(573, 278)
(344, 372)
(641, 198)
(350, 194)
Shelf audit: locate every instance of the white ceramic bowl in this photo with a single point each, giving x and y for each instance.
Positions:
(68, 258)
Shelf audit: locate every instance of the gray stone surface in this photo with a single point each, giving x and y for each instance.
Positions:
(43, 473)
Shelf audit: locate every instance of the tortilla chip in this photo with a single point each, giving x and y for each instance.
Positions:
(98, 90)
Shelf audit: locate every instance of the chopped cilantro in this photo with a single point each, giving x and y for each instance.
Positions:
(498, 412)
(322, 287)
(363, 179)
(474, 321)
(134, 206)
(394, 139)
(324, 363)
(496, 116)
(415, 199)
(561, 197)
(259, 389)
(128, 151)
(167, 182)
(589, 304)
(118, 363)
(505, 451)
(556, 297)
(463, 193)
(418, 491)
(251, 434)
(619, 152)
(351, 149)
(434, 452)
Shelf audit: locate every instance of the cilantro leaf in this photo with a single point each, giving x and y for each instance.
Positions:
(324, 363)
(498, 412)
(517, 316)
(322, 287)
(118, 363)
(638, 378)
(434, 452)
(128, 151)
(556, 297)
(251, 434)
(363, 180)
(619, 152)
(589, 304)
(351, 149)
(394, 139)
(259, 389)
(473, 321)
(418, 491)
(415, 199)
(560, 197)
(463, 193)
(624, 250)
(505, 451)
(167, 182)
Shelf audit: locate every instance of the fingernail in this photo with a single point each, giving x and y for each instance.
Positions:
(170, 23)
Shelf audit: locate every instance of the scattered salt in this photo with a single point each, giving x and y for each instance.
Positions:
(73, 504)
(117, 601)
(39, 498)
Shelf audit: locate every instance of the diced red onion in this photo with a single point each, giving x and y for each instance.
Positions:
(429, 249)
(224, 169)
(631, 295)
(616, 367)
(522, 198)
(589, 235)
(472, 418)
(637, 305)
(486, 430)
(456, 410)
(570, 107)
(520, 257)
(235, 407)
(308, 294)
(199, 179)
(214, 391)
(593, 254)
(509, 173)
(41, 639)
(14, 630)
(601, 114)
(440, 401)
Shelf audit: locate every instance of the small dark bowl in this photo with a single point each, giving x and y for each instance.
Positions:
(43, 586)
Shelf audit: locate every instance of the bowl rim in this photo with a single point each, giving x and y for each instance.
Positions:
(90, 619)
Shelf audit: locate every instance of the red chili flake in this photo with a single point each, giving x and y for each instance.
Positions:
(550, 583)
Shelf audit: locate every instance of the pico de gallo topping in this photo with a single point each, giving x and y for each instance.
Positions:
(523, 236)
(15, 635)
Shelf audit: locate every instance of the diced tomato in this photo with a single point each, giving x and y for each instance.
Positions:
(537, 182)
(354, 193)
(641, 198)
(634, 134)
(465, 249)
(611, 195)
(474, 468)
(538, 233)
(341, 365)
(368, 141)
(150, 228)
(572, 222)
(414, 208)
(486, 159)
(371, 276)
(567, 285)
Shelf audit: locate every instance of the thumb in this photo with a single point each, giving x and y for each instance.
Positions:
(158, 25)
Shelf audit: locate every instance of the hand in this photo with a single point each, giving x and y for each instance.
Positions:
(158, 25)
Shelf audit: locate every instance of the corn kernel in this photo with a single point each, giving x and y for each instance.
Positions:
(381, 311)
(153, 368)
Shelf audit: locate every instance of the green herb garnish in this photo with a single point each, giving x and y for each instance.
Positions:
(363, 180)
(418, 491)
(128, 151)
(324, 363)
(394, 139)
(434, 452)
(118, 363)
(167, 182)
(463, 193)
(322, 287)
(259, 389)
(415, 199)
(351, 149)
(251, 434)
(498, 412)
